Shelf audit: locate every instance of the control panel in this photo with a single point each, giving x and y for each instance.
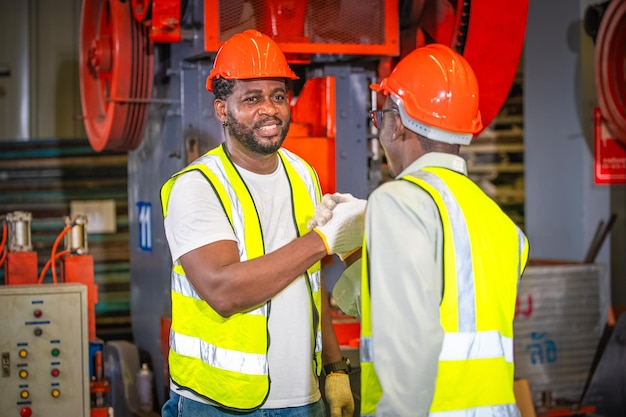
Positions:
(44, 350)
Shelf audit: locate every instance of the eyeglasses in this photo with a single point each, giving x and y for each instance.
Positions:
(377, 116)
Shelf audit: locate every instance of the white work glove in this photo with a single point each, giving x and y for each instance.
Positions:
(338, 394)
(343, 233)
(323, 211)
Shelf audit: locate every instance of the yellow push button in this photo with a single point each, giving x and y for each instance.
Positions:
(23, 373)
(56, 393)
(23, 353)
(24, 394)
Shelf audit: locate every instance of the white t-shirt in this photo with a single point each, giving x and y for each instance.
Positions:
(196, 218)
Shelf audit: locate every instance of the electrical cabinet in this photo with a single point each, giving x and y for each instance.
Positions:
(45, 350)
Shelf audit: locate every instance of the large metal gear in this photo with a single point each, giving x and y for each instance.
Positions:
(115, 74)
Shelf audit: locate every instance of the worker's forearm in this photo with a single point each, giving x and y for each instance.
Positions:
(240, 286)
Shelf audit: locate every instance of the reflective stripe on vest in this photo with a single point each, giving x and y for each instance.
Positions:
(472, 344)
(506, 410)
(231, 369)
(226, 359)
(480, 345)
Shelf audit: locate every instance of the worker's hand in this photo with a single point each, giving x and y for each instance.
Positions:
(338, 395)
(333, 199)
(323, 211)
(343, 233)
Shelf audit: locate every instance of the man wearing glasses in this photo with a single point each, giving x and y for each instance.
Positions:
(441, 261)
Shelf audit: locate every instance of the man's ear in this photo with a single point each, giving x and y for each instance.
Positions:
(220, 109)
(399, 129)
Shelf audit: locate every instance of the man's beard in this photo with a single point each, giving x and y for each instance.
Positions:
(247, 138)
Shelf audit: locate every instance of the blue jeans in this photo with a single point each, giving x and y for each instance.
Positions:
(178, 406)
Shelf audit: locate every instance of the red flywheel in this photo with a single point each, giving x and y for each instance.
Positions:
(610, 68)
(115, 74)
(492, 44)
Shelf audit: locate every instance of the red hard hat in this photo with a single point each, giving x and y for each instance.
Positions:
(436, 87)
(247, 55)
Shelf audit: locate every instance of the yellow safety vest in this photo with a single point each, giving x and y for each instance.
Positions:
(484, 255)
(225, 359)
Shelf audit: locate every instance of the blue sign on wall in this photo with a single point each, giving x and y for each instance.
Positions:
(144, 211)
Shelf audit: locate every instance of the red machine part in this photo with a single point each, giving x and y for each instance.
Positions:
(610, 68)
(99, 386)
(313, 129)
(309, 27)
(79, 268)
(20, 268)
(488, 33)
(165, 21)
(493, 46)
(283, 20)
(141, 9)
(115, 61)
(163, 17)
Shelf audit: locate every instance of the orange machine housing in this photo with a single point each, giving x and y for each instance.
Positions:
(79, 268)
(312, 132)
(332, 27)
(20, 268)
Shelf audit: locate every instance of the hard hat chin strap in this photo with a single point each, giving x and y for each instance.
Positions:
(430, 132)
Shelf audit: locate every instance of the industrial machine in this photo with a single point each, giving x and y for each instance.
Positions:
(51, 358)
(45, 351)
(143, 68)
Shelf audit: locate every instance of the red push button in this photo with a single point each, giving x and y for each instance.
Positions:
(55, 372)
(26, 412)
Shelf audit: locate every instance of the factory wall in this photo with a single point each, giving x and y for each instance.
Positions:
(563, 205)
(39, 96)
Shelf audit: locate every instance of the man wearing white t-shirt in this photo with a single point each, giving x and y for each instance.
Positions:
(251, 328)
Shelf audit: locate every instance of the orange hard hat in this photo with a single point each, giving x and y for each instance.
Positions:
(437, 94)
(247, 55)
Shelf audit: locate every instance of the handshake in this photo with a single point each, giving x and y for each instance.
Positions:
(339, 220)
